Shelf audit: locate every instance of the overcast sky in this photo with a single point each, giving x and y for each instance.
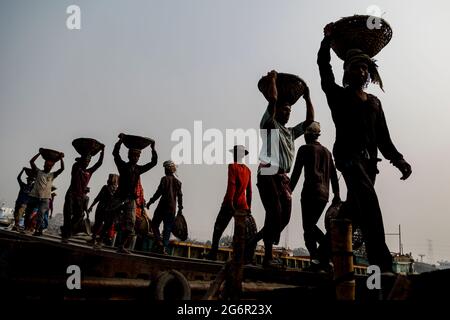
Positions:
(150, 67)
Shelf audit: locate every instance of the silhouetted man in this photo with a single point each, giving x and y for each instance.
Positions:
(42, 191)
(237, 197)
(169, 190)
(361, 130)
(272, 179)
(129, 173)
(74, 203)
(22, 198)
(319, 171)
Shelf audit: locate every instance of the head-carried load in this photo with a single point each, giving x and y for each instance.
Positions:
(135, 143)
(355, 33)
(357, 39)
(87, 147)
(290, 87)
(50, 155)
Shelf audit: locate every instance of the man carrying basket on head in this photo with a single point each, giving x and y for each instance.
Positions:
(42, 190)
(129, 173)
(275, 164)
(74, 202)
(361, 130)
(23, 197)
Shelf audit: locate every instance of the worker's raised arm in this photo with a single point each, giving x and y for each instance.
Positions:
(32, 160)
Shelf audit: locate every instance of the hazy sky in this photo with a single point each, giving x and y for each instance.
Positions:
(150, 67)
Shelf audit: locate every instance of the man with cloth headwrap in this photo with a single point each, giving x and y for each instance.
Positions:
(129, 173)
(169, 190)
(361, 130)
(74, 202)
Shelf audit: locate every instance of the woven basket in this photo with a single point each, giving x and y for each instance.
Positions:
(250, 227)
(144, 225)
(49, 154)
(353, 33)
(180, 229)
(87, 146)
(333, 212)
(290, 87)
(136, 142)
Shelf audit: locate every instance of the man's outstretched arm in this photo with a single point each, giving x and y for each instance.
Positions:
(116, 151)
(99, 161)
(154, 160)
(19, 177)
(61, 169)
(157, 194)
(388, 149)
(32, 162)
(298, 167)
(334, 182)
(309, 109)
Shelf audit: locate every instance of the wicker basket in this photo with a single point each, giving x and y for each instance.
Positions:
(250, 227)
(87, 146)
(333, 212)
(50, 155)
(144, 224)
(136, 142)
(180, 229)
(353, 33)
(290, 87)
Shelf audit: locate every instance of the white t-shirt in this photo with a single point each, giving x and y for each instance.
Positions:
(283, 156)
(43, 185)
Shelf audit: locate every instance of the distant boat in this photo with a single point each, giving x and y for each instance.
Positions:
(444, 264)
(6, 216)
